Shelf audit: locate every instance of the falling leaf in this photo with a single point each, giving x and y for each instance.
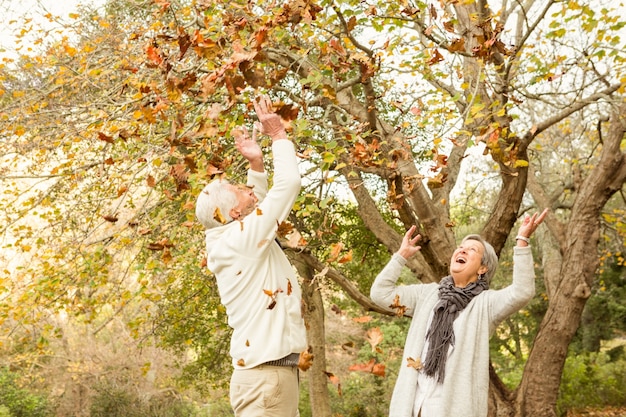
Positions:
(306, 360)
(374, 337)
(268, 293)
(110, 218)
(151, 181)
(345, 258)
(335, 249)
(247, 343)
(259, 212)
(241, 362)
(106, 138)
(284, 229)
(436, 57)
(414, 363)
(217, 215)
(335, 308)
(363, 367)
(262, 243)
(335, 381)
(289, 287)
(379, 370)
(399, 308)
(362, 319)
(272, 305)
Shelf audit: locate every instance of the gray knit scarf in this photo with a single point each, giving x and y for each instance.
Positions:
(440, 335)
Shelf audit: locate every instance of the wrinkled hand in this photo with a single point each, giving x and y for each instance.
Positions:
(270, 123)
(531, 223)
(409, 247)
(248, 147)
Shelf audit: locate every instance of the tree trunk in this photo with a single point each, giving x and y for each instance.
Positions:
(313, 312)
(538, 391)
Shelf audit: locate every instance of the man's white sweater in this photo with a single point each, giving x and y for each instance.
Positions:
(257, 284)
(465, 389)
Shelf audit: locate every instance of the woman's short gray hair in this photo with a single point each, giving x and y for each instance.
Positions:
(216, 199)
(490, 259)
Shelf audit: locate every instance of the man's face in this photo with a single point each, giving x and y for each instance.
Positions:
(246, 201)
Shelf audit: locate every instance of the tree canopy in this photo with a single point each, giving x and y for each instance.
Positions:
(114, 122)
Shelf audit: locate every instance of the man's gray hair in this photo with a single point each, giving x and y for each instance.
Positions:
(490, 259)
(214, 204)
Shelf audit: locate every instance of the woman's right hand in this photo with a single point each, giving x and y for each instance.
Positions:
(409, 247)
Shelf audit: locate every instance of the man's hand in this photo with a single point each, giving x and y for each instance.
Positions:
(270, 123)
(249, 148)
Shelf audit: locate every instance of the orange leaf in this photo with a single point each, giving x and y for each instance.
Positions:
(379, 370)
(269, 293)
(106, 138)
(217, 215)
(110, 218)
(306, 360)
(362, 319)
(335, 249)
(289, 287)
(345, 258)
(363, 367)
(374, 337)
(259, 211)
(241, 362)
(414, 363)
(399, 308)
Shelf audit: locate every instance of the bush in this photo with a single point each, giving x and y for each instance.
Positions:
(112, 400)
(18, 402)
(592, 380)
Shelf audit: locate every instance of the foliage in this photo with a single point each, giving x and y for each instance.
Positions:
(111, 129)
(19, 402)
(592, 380)
(112, 400)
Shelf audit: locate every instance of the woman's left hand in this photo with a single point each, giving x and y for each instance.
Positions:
(531, 223)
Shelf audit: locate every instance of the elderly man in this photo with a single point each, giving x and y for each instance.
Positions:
(257, 284)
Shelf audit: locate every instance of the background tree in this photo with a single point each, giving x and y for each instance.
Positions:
(384, 100)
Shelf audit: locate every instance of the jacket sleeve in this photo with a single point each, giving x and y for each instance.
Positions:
(257, 231)
(511, 299)
(385, 293)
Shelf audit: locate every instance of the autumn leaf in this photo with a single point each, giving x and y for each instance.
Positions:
(289, 287)
(217, 215)
(414, 363)
(335, 249)
(151, 181)
(262, 243)
(399, 308)
(110, 218)
(335, 381)
(362, 319)
(372, 367)
(306, 360)
(284, 229)
(374, 337)
(106, 138)
(436, 57)
(379, 370)
(241, 362)
(247, 343)
(259, 212)
(345, 258)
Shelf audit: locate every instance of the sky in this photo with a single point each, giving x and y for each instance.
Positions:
(10, 10)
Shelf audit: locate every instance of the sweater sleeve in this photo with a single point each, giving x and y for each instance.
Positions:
(257, 231)
(511, 299)
(385, 293)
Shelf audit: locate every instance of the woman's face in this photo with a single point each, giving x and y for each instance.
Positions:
(466, 260)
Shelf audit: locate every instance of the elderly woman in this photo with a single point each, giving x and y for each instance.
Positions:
(445, 366)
